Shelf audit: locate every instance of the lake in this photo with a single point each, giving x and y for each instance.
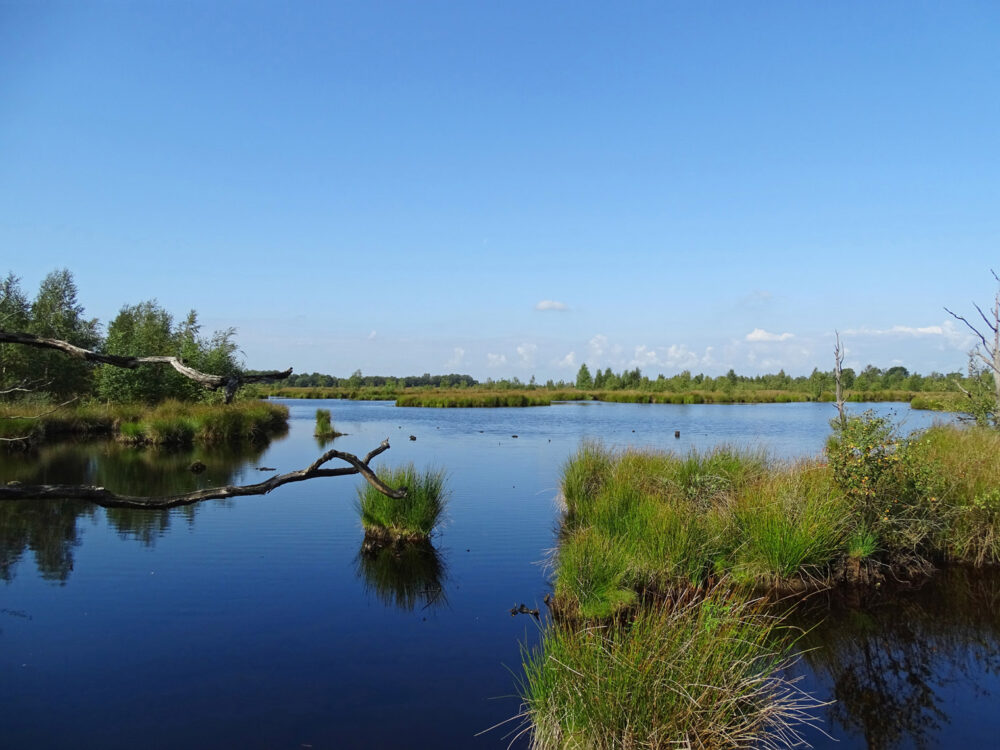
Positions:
(258, 622)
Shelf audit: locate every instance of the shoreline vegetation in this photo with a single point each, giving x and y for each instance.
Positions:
(168, 423)
(487, 397)
(667, 565)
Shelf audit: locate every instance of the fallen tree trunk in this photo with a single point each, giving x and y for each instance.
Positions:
(230, 383)
(108, 499)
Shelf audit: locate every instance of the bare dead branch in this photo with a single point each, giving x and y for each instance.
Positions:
(992, 326)
(229, 383)
(969, 325)
(108, 499)
(838, 362)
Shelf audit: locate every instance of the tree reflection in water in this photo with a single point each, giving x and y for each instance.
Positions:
(49, 528)
(891, 657)
(405, 575)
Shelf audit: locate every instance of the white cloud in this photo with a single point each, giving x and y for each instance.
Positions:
(457, 357)
(496, 360)
(568, 361)
(759, 335)
(551, 304)
(598, 345)
(372, 335)
(526, 352)
(673, 357)
(897, 331)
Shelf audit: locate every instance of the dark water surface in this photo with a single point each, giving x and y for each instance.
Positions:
(258, 623)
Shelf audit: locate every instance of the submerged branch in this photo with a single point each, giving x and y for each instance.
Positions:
(230, 383)
(108, 499)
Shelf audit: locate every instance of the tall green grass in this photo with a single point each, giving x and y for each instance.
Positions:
(169, 423)
(696, 673)
(178, 423)
(445, 399)
(324, 425)
(640, 522)
(955, 473)
(410, 518)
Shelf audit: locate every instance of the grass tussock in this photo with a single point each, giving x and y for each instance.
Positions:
(410, 518)
(696, 673)
(324, 425)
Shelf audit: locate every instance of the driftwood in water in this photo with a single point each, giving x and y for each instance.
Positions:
(108, 499)
(229, 383)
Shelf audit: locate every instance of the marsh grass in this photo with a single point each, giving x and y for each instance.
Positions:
(698, 672)
(178, 423)
(410, 518)
(791, 523)
(955, 475)
(640, 522)
(324, 425)
(445, 399)
(169, 423)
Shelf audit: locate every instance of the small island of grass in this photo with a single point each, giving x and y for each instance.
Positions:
(411, 519)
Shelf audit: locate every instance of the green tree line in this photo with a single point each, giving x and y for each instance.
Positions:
(138, 330)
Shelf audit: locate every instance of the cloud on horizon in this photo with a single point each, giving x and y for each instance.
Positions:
(551, 304)
(759, 334)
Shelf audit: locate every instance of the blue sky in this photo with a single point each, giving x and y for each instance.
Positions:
(514, 188)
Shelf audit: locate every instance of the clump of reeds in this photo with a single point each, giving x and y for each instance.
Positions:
(324, 425)
(699, 672)
(412, 517)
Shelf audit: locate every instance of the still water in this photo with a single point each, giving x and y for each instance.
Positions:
(260, 623)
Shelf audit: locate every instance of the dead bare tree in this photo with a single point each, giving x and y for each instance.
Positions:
(104, 497)
(228, 383)
(987, 349)
(108, 499)
(838, 362)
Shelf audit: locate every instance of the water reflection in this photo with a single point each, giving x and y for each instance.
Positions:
(50, 528)
(406, 576)
(896, 661)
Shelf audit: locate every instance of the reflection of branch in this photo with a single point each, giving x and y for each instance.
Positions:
(230, 383)
(103, 497)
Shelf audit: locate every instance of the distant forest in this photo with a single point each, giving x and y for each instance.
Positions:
(871, 378)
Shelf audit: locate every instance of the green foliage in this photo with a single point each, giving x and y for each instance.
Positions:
(146, 329)
(410, 518)
(56, 313)
(864, 455)
(15, 315)
(583, 378)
